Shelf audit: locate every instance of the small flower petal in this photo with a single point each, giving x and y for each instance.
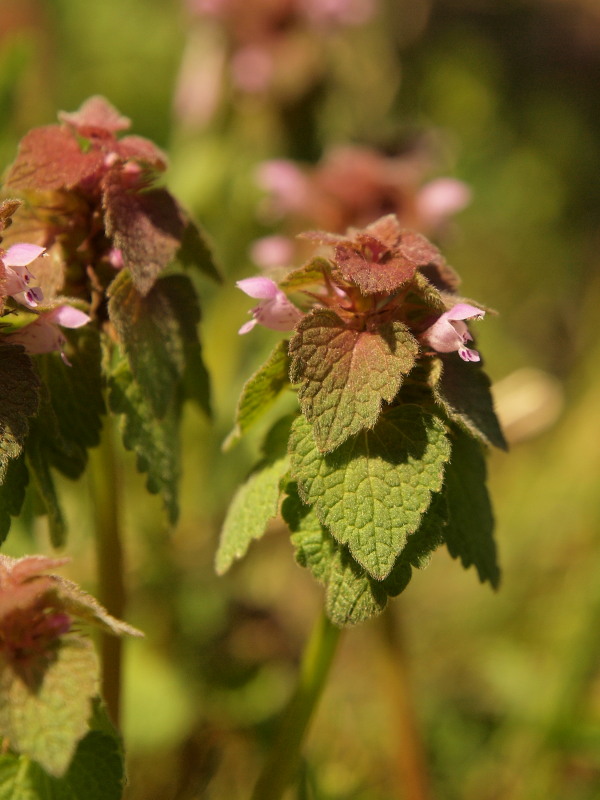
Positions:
(67, 316)
(20, 255)
(258, 287)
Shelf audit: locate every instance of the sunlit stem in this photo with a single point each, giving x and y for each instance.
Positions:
(111, 590)
(282, 764)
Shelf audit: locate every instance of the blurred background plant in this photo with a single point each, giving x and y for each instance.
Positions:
(502, 97)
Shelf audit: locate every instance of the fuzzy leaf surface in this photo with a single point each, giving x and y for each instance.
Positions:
(43, 482)
(70, 417)
(159, 335)
(19, 400)
(50, 158)
(195, 252)
(12, 494)
(260, 392)
(95, 773)
(148, 227)
(155, 441)
(352, 595)
(469, 533)
(257, 501)
(372, 491)
(345, 374)
(463, 390)
(46, 721)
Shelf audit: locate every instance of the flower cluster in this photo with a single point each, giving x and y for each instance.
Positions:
(382, 272)
(43, 334)
(352, 186)
(258, 46)
(37, 610)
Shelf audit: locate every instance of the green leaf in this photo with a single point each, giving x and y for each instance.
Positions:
(158, 333)
(155, 441)
(46, 721)
(352, 595)
(70, 416)
(12, 494)
(257, 501)
(195, 252)
(95, 773)
(19, 400)
(345, 373)
(469, 533)
(148, 227)
(373, 490)
(43, 482)
(463, 390)
(309, 276)
(260, 392)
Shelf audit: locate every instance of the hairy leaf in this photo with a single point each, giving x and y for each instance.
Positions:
(95, 773)
(373, 490)
(50, 158)
(310, 276)
(260, 392)
(148, 227)
(46, 724)
(12, 494)
(70, 417)
(463, 390)
(195, 252)
(352, 595)
(256, 501)
(43, 482)
(159, 335)
(469, 533)
(19, 400)
(155, 441)
(346, 373)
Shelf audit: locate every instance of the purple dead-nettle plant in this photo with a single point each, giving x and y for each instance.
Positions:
(98, 321)
(384, 460)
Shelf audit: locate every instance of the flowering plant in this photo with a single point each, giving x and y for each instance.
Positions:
(83, 272)
(384, 460)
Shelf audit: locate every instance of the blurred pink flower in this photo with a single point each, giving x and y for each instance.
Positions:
(449, 332)
(43, 335)
(252, 69)
(439, 199)
(286, 184)
(17, 277)
(275, 311)
(337, 12)
(272, 251)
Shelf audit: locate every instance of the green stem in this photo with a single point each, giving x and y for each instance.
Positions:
(111, 589)
(283, 760)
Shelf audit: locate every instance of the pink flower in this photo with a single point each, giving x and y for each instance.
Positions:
(286, 183)
(272, 251)
(275, 311)
(43, 335)
(439, 199)
(449, 332)
(16, 275)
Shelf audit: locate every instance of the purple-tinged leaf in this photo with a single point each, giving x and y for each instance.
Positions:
(346, 373)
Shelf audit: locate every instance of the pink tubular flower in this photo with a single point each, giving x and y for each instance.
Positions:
(43, 335)
(275, 311)
(17, 277)
(449, 332)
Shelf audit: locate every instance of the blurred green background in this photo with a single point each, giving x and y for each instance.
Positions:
(505, 686)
